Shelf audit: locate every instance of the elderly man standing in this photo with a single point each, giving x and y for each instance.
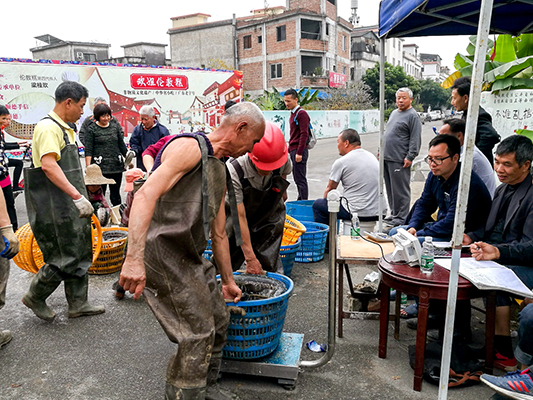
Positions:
(58, 209)
(148, 132)
(402, 144)
(168, 229)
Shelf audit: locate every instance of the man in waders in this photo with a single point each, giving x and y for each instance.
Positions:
(168, 230)
(58, 209)
(260, 190)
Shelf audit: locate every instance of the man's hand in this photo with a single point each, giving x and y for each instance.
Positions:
(466, 240)
(254, 267)
(133, 277)
(482, 251)
(84, 207)
(412, 231)
(231, 291)
(11, 242)
(406, 163)
(298, 158)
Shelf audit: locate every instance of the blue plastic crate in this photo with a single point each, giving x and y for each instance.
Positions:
(313, 242)
(302, 210)
(257, 334)
(288, 254)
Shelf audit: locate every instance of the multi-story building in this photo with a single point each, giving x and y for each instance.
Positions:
(412, 65)
(305, 44)
(57, 49)
(365, 52)
(432, 67)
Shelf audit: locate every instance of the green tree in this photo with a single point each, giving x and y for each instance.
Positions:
(432, 94)
(395, 78)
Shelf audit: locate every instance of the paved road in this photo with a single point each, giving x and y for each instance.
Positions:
(123, 353)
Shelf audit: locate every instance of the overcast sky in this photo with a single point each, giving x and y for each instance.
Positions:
(119, 22)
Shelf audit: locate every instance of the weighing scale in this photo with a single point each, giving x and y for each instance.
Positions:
(284, 363)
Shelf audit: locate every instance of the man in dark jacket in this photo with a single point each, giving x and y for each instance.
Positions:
(440, 192)
(507, 237)
(486, 135)
(148, 132)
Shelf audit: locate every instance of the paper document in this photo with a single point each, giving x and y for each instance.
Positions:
(442, 245)
(488, 275)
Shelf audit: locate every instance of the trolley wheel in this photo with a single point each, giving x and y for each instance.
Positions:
(287, 384)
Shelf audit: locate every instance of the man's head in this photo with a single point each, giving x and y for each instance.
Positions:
(291, 99)
(455, 127)
(70, 100)
(404, 98)
(460, 93)
(4, 116)
(147, 116)
(443, 155)
(512, 162)
(242, 126)
(99, 100)
(347, 141)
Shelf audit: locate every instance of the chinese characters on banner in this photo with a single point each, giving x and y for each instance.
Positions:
(159, 82)
(337, 80)
(510, 110)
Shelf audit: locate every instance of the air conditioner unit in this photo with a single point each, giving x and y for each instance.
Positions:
(79, 55)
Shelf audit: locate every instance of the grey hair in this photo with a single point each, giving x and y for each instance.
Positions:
(147, 110)
(405, 90)
(244, 109)
(100, 100)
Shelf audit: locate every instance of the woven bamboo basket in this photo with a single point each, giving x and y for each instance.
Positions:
(30, 258)
(111, 255)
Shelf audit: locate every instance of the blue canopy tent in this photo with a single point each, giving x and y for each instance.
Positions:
(404, 18)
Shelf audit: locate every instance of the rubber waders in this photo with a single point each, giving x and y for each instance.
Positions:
(43, 285)
(76, 291)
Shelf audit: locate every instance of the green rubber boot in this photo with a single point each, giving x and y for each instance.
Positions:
(43, 285)
(76, 291)
(213, 391)
(176, 393)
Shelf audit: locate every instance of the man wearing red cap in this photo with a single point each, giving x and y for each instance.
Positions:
(260, 190)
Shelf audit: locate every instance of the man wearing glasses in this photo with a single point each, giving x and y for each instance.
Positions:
(440, 192)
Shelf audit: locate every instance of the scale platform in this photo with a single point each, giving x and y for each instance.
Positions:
(282, 363)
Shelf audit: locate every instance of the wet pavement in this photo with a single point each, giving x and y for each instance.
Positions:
(123, 353)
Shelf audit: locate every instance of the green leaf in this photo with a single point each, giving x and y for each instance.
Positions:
(524, 45)
(525, 74)
(505, 51)
(509, 69)
(512, 83)
(461, 61)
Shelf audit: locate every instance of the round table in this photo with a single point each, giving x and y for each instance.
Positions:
(434, 286)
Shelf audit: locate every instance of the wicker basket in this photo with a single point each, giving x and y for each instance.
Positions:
(292, 231)
(112, 254)
(30, 258)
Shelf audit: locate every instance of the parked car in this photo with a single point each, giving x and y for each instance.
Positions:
(435, 115)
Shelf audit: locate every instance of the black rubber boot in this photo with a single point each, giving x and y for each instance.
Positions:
(76, 292)
(213, 391)
(43, 285)
(176, 393)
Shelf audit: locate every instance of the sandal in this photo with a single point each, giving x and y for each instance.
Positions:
(409, 312)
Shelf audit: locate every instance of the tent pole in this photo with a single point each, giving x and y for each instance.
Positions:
(485, 15)
(381, 129)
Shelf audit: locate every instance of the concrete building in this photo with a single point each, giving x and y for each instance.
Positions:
(412, 65)
(304, 44)
(432, 67)
(365, 52)
(142, 53)
(57, 49)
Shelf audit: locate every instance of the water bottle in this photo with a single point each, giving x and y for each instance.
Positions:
(403, 299)
(428, 255)
(354, 232)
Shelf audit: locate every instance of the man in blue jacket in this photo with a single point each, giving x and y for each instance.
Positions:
(440, 192)
(148, 132)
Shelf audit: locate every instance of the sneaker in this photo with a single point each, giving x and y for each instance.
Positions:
(504, 363)
(5, 338)
(515, 385)
(17, 189)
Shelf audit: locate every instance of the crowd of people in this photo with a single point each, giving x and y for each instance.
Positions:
(229, 187)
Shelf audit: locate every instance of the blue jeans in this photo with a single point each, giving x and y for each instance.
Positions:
(321, 214)
(524, 349)
(421, 239)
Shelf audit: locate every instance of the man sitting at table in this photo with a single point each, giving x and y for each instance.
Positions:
(507, 237)
(358, 171)
(440, 192)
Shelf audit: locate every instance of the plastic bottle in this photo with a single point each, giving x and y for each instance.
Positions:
(428, 255)
(355, 231)
(403, 299)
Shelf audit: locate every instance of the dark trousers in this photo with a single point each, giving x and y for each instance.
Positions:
(10, 204)
(397, 181)
(114, 190)
(321, 213)
(299, 172)
(17, 164)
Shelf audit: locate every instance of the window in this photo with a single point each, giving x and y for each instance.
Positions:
(247, 41)
(276, 71)
(343, 43)
(344, 70)
(281, 33)
(327, 29)
(91, 57)
(260, 39)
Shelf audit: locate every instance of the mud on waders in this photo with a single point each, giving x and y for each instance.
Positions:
(64, 238)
